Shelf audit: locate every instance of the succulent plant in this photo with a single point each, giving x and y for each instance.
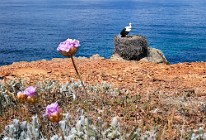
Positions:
(83, 130)
(8, 91)
(104, 88)
(199, 134)
(113, 132)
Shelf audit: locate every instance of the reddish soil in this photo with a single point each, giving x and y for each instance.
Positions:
(135, 76)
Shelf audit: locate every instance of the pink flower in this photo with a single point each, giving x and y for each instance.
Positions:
(30, 91)
(51, 109)
(68, 45)
(53, 113)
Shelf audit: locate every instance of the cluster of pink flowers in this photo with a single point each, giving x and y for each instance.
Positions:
(53, 111)
(68, 44)
(27, 95)
(30, 91)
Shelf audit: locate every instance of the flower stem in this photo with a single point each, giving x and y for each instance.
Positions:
(79, 76)
(25, 110)
(61, 133)
(41, 122)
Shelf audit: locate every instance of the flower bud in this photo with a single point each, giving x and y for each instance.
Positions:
(70, 53)
(21, 96)
(55, 117)
(31, 99)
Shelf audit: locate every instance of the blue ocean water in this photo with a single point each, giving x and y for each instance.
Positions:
(32, 29)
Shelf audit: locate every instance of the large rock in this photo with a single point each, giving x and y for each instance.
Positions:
(131, 48)
(136, 48)
(156, 56)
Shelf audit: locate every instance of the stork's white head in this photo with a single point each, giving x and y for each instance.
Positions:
(130, 24)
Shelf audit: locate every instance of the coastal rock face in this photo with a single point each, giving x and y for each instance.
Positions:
(131, 48)
(136, 48)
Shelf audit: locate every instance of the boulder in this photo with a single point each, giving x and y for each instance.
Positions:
(156, 56)
(131, 48)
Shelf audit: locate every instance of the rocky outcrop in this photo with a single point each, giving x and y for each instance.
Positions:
(136, 48)
(96, 57)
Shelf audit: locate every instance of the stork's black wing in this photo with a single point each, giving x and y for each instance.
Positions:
(123, 33)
